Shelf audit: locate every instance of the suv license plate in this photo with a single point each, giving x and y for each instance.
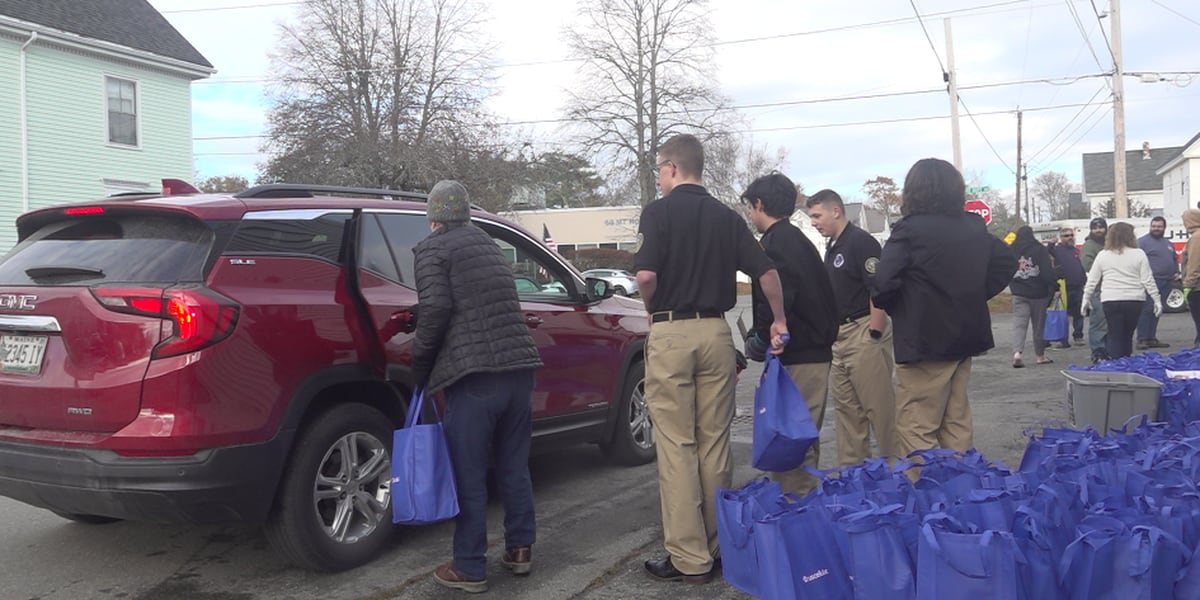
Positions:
(22, 353)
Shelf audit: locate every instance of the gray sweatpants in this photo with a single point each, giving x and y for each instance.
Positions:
(1026, 312)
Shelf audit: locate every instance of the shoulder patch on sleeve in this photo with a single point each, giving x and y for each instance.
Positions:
(870, 265)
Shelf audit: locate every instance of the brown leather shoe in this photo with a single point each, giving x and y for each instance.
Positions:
(448, 576)
(519, 560)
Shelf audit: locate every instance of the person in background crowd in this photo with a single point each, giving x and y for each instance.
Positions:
(1032, 286)
(935, 276)
(1070, 269)
(1097, 325)
(861, 385)
(1164, 266)
(692, 246)
(808, 302)
(1191, 270)
(472, 341)
(1122, 274)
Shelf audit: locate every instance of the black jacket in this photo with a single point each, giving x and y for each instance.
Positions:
(807, 296)
(1034, 277)
(470, 318)
(935, 276)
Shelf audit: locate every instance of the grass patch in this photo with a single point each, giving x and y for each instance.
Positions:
(1000, 303)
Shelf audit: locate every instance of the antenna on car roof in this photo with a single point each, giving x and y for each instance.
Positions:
(300, 190)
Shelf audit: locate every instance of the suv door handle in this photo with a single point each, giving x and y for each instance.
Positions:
(533, 321)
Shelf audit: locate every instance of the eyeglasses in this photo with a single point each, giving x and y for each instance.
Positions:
(659, 166)
(1067, 235)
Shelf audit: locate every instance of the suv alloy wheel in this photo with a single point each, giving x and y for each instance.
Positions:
(632, 442)
(334, 506)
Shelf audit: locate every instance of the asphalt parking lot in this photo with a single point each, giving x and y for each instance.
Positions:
(597, 522)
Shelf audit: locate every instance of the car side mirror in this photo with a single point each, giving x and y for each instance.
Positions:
(598, 288)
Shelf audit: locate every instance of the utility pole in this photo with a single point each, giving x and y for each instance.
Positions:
(952, 79)
(1018, 201)
(1118, 88)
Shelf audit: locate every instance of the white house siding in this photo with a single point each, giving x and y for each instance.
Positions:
(1152, 199)
(10, 141)
(69, 154)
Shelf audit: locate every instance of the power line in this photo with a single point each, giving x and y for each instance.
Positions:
(1100, 110)
(1107, 43)
(920, 20)
(1054, 138)
(232, 7)
(984, 135)
(1181, 15)
(1087, 40)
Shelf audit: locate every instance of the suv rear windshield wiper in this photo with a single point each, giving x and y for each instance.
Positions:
(57, 271)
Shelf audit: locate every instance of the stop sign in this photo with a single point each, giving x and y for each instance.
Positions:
(980, 208)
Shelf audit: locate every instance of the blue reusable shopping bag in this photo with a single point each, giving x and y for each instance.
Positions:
(800, 556)
(737, 511)
(880, 560)
(954, 562)
(1057, 325)
(783, 428)
(423, 489)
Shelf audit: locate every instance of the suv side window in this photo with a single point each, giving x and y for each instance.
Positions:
(318, 235)
(376, 254)
(403, 233)
(537, 276)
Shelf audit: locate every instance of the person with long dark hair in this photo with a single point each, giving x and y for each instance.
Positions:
(1191, 268)
(1122, 273)
(1031, 287)
(935, 276)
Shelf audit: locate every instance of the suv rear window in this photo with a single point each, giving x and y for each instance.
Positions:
(128, 248)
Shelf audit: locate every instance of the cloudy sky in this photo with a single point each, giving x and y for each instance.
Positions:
(799, 68)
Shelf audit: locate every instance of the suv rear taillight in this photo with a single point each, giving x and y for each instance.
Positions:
(194, 317)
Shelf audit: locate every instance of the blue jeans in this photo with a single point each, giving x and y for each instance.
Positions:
(488, 419)
(1147, 327)
(1097, 325)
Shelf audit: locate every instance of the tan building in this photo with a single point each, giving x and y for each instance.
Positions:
(582, 228)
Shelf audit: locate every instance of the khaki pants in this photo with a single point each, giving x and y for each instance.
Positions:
(813, 381)
(861, 386)
(690, 376)
(931, 406)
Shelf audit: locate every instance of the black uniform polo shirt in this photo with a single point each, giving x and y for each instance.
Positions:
(851, 261)
(695, 245)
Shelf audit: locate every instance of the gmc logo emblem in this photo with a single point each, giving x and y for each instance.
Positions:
(16, 302)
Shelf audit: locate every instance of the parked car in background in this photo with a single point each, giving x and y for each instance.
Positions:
(206, 358)
(623, 283)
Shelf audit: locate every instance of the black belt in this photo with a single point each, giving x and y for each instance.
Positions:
(853, 318)
(675, 315)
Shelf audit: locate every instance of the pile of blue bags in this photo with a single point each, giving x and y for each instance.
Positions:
(1085, 516)
(1179, 399)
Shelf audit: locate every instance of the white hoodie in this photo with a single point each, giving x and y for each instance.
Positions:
(1126, 276)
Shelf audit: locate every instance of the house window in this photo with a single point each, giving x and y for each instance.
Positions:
(121, 95)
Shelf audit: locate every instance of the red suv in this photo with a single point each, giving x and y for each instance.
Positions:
(214, 358)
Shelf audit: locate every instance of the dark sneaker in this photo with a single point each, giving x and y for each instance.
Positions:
(446, 575)
(519, 560)
(1154, 343)
(1143, 345)
(1063, 344)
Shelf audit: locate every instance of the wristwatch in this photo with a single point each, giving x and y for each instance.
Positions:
(875, 333)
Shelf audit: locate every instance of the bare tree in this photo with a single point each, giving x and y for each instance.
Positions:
(1052, 190)
(383, 93)
(645, 77)
(732, 163)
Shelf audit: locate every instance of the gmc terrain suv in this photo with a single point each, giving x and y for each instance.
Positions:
(213, 358)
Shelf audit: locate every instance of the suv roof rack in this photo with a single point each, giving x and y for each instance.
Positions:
(300, 190)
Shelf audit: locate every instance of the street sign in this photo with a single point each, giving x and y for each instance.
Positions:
(980, 208)
(979, 190)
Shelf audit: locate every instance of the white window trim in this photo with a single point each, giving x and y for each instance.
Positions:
(137, 107)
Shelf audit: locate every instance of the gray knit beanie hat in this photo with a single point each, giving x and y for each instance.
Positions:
(449, 202)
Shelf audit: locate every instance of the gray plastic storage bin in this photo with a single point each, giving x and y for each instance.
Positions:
(1107, 400)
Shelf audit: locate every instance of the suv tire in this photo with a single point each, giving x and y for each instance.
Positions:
(632, 441)
(620, 291)
(317, 486)
(87, 519)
